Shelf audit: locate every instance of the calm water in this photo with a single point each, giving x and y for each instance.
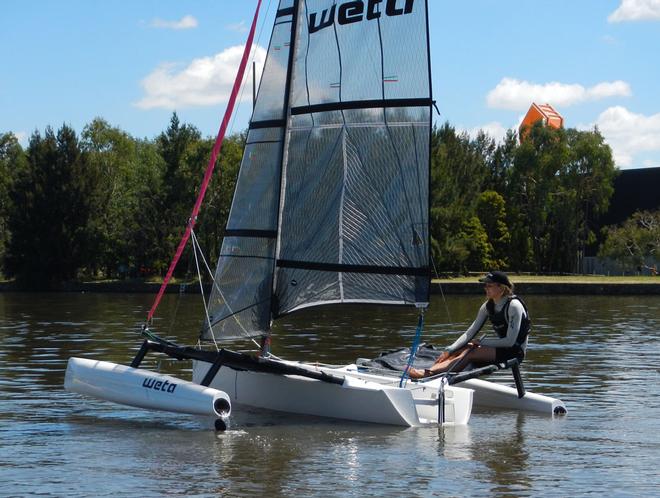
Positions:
(598, 354)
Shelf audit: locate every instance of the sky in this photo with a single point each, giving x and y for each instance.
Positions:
(133, 63)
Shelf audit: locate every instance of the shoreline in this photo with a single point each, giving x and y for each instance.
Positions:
(554, 286)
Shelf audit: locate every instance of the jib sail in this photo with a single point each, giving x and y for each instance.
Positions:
(240, 301)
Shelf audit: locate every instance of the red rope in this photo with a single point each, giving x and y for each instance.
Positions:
(211, 165)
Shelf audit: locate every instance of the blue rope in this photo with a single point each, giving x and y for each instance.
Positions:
(413, 349)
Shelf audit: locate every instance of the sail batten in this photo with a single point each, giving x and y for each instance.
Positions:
(360, 104)
(348, 268)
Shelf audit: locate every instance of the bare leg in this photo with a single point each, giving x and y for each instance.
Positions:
(480, 354)
(442, 364)
(445, 365)
(457, 361)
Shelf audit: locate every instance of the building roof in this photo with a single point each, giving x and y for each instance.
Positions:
(540, 112)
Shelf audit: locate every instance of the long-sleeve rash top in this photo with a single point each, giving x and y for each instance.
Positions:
(515, 314)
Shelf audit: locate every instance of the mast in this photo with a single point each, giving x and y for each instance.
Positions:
(287, 100)
(428, 52)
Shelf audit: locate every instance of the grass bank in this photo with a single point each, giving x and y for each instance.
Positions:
(557, 285)
(563, 279)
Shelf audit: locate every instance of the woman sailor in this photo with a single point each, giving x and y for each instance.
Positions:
(510, 320)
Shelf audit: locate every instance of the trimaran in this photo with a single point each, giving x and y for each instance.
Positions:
(331, 206)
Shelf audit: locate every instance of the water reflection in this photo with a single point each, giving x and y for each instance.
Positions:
(455, 443)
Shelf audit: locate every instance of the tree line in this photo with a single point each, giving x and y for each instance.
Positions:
(107, 205)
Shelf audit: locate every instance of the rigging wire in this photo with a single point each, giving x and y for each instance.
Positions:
(413, 348)
(215, 285)
(442, 293)
(196, 247)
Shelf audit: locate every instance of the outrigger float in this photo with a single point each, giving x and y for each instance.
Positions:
(142, 388)
(331, 207)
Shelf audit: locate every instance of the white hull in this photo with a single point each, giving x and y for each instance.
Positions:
(371, 398)
(489, 394)
(485, 394)
(143, 388)
(362, 398)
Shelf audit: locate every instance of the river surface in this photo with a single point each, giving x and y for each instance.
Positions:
(598, 354)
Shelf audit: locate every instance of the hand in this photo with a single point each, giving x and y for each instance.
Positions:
(443, 356)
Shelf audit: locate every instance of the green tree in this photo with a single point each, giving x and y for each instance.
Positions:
(147, 251)
(533, 188)
(491, 210)
(12, 161)
(473, 239)
(635, 241)
(124, 202)
(500, 163)
(589, 177)
(51, 208)
(561, 179)
(183, 166)
(458, 170)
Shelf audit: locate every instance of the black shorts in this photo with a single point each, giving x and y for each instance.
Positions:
(505, 354)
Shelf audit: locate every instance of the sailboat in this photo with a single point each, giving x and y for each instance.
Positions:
(331, 207)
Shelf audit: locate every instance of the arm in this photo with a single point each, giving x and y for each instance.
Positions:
(469, 334)
(515, 314)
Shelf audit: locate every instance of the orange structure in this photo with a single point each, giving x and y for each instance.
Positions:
(540, 112)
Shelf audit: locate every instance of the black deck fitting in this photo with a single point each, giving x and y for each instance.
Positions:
(144, 349)
(210, 375)
(515, 368)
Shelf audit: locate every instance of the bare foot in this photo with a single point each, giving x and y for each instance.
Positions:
(415, 373)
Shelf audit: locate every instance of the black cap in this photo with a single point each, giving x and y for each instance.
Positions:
(496, 277)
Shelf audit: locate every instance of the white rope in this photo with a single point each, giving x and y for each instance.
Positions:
(442, 292)
(217, 287)
(204, 260)
(201, 287)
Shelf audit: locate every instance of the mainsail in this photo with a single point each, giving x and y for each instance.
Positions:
(331, 203)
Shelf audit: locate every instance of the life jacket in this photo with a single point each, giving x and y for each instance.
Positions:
(499, 320)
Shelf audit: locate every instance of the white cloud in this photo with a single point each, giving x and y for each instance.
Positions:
(636, 10)
(517, 95)
(628, 133)
(186, 22)
(22, 137)
(239, 27)
(204, 82)
(494, 129)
